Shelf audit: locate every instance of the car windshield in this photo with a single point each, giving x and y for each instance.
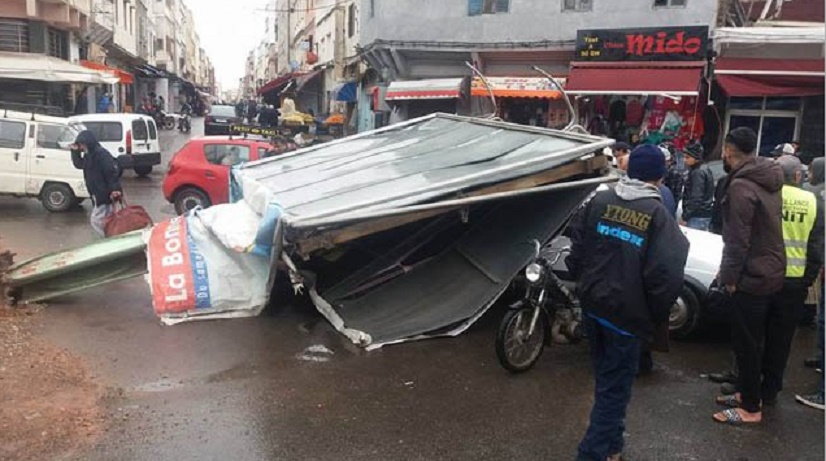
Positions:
(222, 111)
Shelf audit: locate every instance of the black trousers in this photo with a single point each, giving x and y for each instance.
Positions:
(781, 321)
(748, 326)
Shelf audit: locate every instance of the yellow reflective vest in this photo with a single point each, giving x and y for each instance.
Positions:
(799, 213)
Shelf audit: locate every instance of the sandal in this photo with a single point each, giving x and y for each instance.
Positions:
(732, 417)
(731, 401)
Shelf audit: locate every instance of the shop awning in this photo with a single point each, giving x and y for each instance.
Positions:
(770, 77)
(667, 77)
(123, 77)
(302, 81)
(345, 92)
(35, 66)
(149, 71)
(516, 87)
(437, 88)
(277, 84)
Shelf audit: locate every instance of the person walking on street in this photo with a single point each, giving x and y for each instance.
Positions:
(698, 199)
(628, 257)
(100, 173)
(753, 265)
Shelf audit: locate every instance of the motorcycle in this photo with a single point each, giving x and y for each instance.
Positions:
(549, 312)
(184, 122)
(164, 120)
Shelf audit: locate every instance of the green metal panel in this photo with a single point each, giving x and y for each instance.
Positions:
(60, 273)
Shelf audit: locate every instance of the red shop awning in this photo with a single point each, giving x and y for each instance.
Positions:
(674, 78)
(278, 83)
(124, 77)
(770, 77)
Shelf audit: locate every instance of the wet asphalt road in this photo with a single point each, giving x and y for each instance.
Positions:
(287, 386)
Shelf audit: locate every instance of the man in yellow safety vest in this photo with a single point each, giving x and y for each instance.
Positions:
(803, 239)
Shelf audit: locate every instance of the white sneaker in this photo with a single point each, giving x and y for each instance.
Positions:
(814, 400)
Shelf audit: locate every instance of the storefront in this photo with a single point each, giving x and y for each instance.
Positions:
(415, 98)
(780, 98)
(524, 100)
(641, 85)
(37, 82)
(123, 91)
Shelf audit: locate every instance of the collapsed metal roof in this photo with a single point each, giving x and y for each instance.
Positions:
(409, 163)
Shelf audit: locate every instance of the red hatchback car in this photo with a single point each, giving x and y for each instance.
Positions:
(198, 174)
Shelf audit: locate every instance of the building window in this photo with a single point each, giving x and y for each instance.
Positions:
(372, 8)
(477, 7)
(669, 3)
(14, 36)
(57, 45)
(351, 20)
(775, 120)
(577, 5)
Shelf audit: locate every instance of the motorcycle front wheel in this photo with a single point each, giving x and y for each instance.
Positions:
(517, 349)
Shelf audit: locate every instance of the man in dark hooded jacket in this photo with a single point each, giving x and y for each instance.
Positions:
(100, 173)
(628, 256)
(698, 199)
(753, 267)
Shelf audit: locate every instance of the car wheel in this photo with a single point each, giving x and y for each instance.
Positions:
(684, 317)
(143, 170)
(189, 198)
(57, 197)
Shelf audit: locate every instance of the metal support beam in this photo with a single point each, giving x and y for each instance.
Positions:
(400, 63)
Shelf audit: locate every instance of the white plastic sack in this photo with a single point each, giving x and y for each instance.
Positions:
(194, 275)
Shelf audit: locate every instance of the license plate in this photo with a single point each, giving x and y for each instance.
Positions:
(221, 120)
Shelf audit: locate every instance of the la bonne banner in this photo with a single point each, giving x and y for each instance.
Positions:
(646, 44)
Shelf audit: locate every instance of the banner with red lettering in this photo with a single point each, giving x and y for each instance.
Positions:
(193, 274)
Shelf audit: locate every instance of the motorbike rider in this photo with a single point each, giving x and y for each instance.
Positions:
(628, 256)
(186, 112)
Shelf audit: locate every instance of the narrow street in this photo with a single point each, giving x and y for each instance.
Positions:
(287, 386)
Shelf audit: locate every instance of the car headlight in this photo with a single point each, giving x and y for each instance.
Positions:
(533, 272)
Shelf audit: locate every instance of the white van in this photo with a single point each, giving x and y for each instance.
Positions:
(131, 138)
(35, 160)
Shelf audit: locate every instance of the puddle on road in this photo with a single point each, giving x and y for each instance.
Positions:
(161, 385)
(242, 371)
(316, 353)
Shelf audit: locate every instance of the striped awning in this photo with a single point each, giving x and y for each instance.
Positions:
(516, 87)
(437, 88)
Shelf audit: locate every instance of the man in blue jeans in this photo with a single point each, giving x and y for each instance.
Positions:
(628, 256)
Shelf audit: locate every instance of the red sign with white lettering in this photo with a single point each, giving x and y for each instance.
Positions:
(173, 284)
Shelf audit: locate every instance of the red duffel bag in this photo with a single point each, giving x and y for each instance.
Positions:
(126, 219)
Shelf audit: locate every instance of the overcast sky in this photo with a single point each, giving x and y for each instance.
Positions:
(229, 29)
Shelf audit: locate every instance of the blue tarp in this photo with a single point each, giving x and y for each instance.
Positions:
(345, 92)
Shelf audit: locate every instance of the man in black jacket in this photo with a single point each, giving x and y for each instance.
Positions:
(100, 172)
(698, 198)
(628, 256)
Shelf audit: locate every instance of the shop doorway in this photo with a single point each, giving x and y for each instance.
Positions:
(775, 120)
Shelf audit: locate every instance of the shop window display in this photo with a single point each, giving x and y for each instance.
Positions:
(643, 119)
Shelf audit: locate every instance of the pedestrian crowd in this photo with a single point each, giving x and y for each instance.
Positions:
(628, 256)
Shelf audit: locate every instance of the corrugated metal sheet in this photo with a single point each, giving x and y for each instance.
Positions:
(415, 162)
